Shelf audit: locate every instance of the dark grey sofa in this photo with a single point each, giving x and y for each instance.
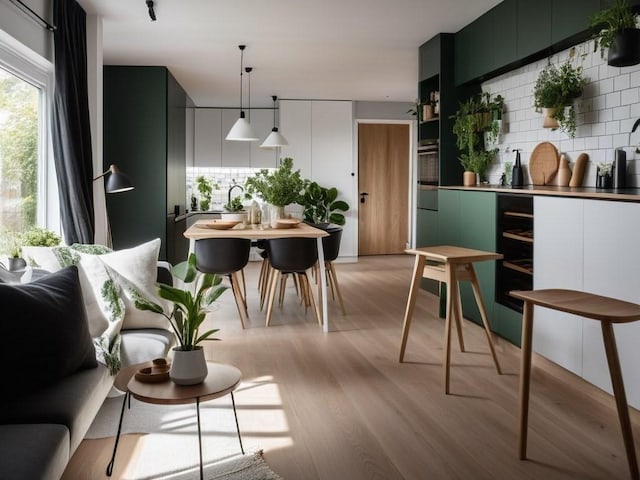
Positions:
(54, 387)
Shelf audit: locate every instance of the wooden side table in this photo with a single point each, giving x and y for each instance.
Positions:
(608, 311)
(450, 265)
(221, 380)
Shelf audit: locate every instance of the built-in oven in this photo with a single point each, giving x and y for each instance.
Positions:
(428, 176)
(428, 165)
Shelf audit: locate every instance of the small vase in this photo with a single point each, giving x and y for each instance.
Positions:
(276, 212)
(564, 173)
(189, 367)
(469, 179)
(16, 263)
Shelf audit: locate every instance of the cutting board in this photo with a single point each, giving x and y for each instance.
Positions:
(543, 163)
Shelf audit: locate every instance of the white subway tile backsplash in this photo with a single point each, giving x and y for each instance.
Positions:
(621, 113)
(612, 128)
(621, 81)
(629, 96)
(612, 100)
(605, 141)
(605, 85)
(634, 79)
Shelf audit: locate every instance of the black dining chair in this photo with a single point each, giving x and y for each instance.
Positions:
(291, 256)
(331, 248)
(226, 256)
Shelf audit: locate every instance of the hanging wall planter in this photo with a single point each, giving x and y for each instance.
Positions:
(625, 49)
(548, 119)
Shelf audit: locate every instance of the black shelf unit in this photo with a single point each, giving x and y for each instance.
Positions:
(514, 240)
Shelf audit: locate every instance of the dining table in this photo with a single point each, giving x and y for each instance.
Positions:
(201, 229)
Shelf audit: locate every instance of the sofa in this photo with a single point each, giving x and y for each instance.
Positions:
(53, 384)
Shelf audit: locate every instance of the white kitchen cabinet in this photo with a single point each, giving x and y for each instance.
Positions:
(234, 153)
(320, 135)
(611, 266)
(588, 245)
(558, 263)
(262, 123)
(207, 137)
(295, 125)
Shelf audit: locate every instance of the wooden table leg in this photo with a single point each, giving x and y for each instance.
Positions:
(451, 307)
(455, 289)
(483, 313)
(525, 378)
(418, 267)
(620, 396)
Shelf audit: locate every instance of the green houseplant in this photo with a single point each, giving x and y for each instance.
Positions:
(34, 237)
(321, 205)
(555, 89)
(475, 117)
(190, 307)
(205, 188)
(234, 205)
(616, 31)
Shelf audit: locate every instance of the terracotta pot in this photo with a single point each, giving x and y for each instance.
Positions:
(469, 179)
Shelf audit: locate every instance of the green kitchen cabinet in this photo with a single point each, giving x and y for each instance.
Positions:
(145, 136)
(427, 228)
(533, 27)
(571, 17)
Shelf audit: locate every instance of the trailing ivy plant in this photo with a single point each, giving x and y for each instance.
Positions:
(557, 87)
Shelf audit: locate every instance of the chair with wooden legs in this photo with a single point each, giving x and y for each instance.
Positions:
(226, 256)
(607, 311)
(291, 256)
(331, 248)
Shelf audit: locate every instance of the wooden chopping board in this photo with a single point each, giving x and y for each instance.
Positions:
(543, 163)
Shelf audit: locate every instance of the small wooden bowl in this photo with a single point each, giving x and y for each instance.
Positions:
(220, 224)
(158, 372)
(287, 222)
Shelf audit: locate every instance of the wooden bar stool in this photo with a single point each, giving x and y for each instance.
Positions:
(450, 265)
(608, 311)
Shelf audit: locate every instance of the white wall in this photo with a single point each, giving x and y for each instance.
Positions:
(28, 32)
(606, 113)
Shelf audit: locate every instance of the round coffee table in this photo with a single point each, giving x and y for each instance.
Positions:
(221, 380)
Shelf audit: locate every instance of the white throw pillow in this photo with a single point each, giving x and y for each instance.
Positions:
(137, 268)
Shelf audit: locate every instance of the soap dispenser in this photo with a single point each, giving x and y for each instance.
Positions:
(517, 176)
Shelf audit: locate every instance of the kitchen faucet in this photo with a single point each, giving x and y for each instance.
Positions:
(231, 189)
(635, 125)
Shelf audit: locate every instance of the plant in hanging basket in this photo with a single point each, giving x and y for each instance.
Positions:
(556, 88)
(616, 30)
(190, 306)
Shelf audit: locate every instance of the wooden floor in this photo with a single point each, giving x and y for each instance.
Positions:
(342, 407)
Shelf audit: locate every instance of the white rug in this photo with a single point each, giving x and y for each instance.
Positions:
(170, 450)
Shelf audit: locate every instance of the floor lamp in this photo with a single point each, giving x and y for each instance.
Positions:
(116, 182)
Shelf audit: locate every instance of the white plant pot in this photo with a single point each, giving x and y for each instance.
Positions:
(189, 367)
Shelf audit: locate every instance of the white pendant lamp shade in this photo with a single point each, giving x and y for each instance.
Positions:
(275, 138)
(242, 131)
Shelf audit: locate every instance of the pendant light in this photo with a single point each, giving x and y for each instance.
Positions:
(241, 130)
(275, 138)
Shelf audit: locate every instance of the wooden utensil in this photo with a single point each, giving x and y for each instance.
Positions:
(578, 170)
(543, 163)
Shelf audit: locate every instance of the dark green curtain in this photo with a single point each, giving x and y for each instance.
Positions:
(71, 134)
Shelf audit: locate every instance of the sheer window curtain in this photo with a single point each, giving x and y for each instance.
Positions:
(71, 133)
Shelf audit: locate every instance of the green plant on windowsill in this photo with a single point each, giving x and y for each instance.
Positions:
(556, 88)
(205, 188)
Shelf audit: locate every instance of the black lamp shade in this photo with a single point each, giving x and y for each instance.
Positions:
(116, 181)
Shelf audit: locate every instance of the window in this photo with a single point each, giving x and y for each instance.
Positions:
(28, 190)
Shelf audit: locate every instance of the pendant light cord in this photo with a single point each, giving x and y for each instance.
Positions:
(248, 70)
(241, 47)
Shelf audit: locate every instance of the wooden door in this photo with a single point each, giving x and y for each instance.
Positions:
(383, 186)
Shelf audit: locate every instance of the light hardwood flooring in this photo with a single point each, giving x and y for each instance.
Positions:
(342, 407)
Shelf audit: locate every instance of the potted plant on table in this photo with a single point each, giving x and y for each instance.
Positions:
(190, 307)
(555, 89)
(279, 188)
(616, 31)
(321, 205)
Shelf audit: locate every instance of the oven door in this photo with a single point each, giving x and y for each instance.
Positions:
(428, 166)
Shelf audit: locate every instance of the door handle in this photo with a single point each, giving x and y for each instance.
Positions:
(363, 196)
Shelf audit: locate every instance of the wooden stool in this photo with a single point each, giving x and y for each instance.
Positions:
(608, 311)
(450, 265)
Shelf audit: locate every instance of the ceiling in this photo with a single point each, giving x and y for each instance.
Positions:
(311, 49)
